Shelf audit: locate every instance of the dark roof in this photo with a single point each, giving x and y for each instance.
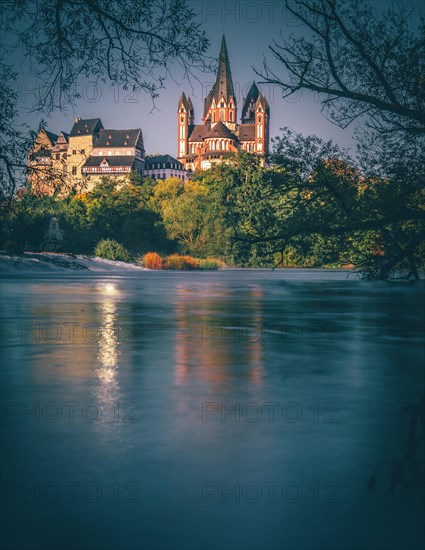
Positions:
(223, 86)
(118, 138)
(183, 101)
(220, 130)
(41, 153)
(161, 158)
(86, 126)
(253, 95)
(53, 137)
(246, 132)
(197, 132)
(121, 160)
(262, 100)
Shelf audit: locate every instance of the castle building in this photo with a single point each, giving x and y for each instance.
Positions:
(165, 166)
(79, 159)
(115, 153)
(201, 145)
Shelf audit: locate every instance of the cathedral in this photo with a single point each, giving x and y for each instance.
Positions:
(201, 145)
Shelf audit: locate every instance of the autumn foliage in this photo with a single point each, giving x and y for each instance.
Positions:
(152, 260)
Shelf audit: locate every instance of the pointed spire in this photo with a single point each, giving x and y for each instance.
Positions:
(262, 100)
(183, 102)
(223, 86)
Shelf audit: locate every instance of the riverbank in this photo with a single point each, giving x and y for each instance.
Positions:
(50, 262)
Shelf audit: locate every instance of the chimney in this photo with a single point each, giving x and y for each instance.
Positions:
(78, 119)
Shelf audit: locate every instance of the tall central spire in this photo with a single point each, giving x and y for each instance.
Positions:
(223, 86)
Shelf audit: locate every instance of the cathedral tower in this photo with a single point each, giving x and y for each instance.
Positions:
(220, 103)
(202, 145)
(186, 118)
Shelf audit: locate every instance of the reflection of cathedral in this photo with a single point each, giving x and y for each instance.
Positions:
(216, 359)
(200, 145)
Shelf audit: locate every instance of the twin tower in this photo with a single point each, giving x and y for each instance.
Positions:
(201, 145)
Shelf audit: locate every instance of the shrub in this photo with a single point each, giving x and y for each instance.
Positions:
(152, 260)
(210, 263)
(109, 249)
(175, 261)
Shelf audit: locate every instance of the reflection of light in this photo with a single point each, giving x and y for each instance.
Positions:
(109, 289)
(108, 339)
(108, 348)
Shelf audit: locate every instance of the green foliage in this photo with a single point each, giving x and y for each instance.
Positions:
(210, 264)
(109, 249)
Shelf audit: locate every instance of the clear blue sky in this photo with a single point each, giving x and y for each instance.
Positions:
(250, 27)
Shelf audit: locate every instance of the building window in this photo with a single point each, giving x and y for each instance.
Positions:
(109, 153)
(74, 152)
(74, 171)
(100, 153)
(231, 116)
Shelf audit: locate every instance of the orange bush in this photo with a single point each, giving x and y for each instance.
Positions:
(175, 261)
(152, 260)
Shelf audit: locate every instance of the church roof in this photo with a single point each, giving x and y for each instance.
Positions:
(223, 86)
(220, 130)
(197, 132)
(246, 132)
(183, 101)
(253, 95)
(86, 126)
(262, 100)
(117, 138)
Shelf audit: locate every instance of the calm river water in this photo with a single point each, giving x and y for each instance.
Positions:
(242, 410)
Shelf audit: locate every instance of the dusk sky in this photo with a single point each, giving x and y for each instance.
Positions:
(249, 28)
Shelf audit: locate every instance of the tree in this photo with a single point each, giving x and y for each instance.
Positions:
(369, 68)
(62, 43)
(361, 64)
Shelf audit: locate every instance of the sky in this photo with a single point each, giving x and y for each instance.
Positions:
(249, 27)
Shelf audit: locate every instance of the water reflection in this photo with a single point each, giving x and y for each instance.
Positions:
(108, 353)
(207, 347)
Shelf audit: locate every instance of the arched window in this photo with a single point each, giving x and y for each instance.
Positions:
(231, 116)
(260, 130)
(223, 145)
(182, 119)
(212, 145)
